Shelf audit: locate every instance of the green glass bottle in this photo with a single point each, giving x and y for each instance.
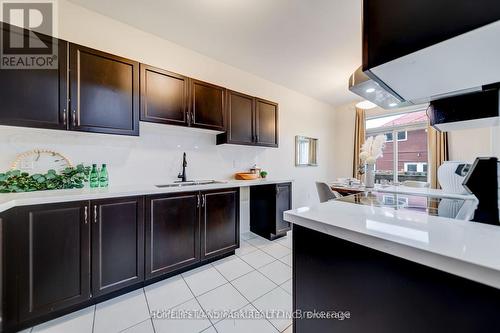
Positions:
(94, 176)
(103, 177)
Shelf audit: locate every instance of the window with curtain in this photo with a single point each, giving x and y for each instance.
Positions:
(405, 156)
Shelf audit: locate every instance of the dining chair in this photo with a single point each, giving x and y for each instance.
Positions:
(325, 193)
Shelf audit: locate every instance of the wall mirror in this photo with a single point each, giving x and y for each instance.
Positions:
(306, 151)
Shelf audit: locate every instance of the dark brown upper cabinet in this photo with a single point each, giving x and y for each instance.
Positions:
(54, 262)
(240, 117)
(35, 97)
(104, 92)
(266, 123)
(219, 222)
(206, 107)
(117, 243)
(164, 96)
(250, 121)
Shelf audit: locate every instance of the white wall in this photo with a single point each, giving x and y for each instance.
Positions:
(155, 156)
(464, 145)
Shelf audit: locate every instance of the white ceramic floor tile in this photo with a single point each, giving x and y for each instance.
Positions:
(203, 279)
(278, 299)
(253, 285)
(287, 286)
(276, 250)
(79, 321)
(257, 259)
(245, 248)
(277, 271)
(211, 329)
(168, 293)
(289, 329)
(247, 235)
(285, 241)
(144, 327)
(121, 312)
(223, 298)
(186, 318)
(232, 267)
(245, 325)
(287, 260)
(259, 241)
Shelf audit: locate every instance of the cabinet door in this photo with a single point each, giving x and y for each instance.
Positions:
(117, 244)
(172, 232)
(220, 222)
(35, 97)
(266, 123)
(240, 118)
(54, 258)
(207, 105)
(163, 96)
(104, 92)
(283, 203)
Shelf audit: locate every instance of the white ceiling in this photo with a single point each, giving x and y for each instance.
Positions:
(311, 46)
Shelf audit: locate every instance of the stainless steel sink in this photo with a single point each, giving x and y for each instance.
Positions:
(191, 183)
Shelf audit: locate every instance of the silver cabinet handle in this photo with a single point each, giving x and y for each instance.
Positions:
(74, 118)
(95, 213)
(65, 116)
(204, 200)
(86, 214)
(198, 203)
(192, 117)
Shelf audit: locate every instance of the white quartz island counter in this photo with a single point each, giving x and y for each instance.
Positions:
(11, 200)
(467, 249)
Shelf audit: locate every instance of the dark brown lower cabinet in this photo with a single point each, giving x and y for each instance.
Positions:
(117, 244)
(220, 222)
(172, 232)
(54, 260)
(267, 204)
(57, 258)
(283, 203)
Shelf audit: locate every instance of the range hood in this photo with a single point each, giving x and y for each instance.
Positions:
(416, 52)
(375, 91)
(462, 64)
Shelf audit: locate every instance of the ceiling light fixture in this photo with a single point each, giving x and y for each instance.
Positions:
(370, 90)
(365, 105)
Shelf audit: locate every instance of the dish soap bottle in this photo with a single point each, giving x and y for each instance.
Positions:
(103, 177)
(94, 177)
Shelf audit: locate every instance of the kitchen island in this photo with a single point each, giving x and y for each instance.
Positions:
(393, 270)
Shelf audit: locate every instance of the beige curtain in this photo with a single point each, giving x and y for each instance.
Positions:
(438, 152)
(359, 139)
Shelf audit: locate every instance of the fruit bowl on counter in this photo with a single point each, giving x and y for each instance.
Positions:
(246, 176)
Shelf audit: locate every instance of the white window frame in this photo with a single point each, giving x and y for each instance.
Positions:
(397, 134)
(395, 129)
(420, 166)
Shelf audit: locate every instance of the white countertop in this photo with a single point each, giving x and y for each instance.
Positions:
(467, 249)
(10, 200)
